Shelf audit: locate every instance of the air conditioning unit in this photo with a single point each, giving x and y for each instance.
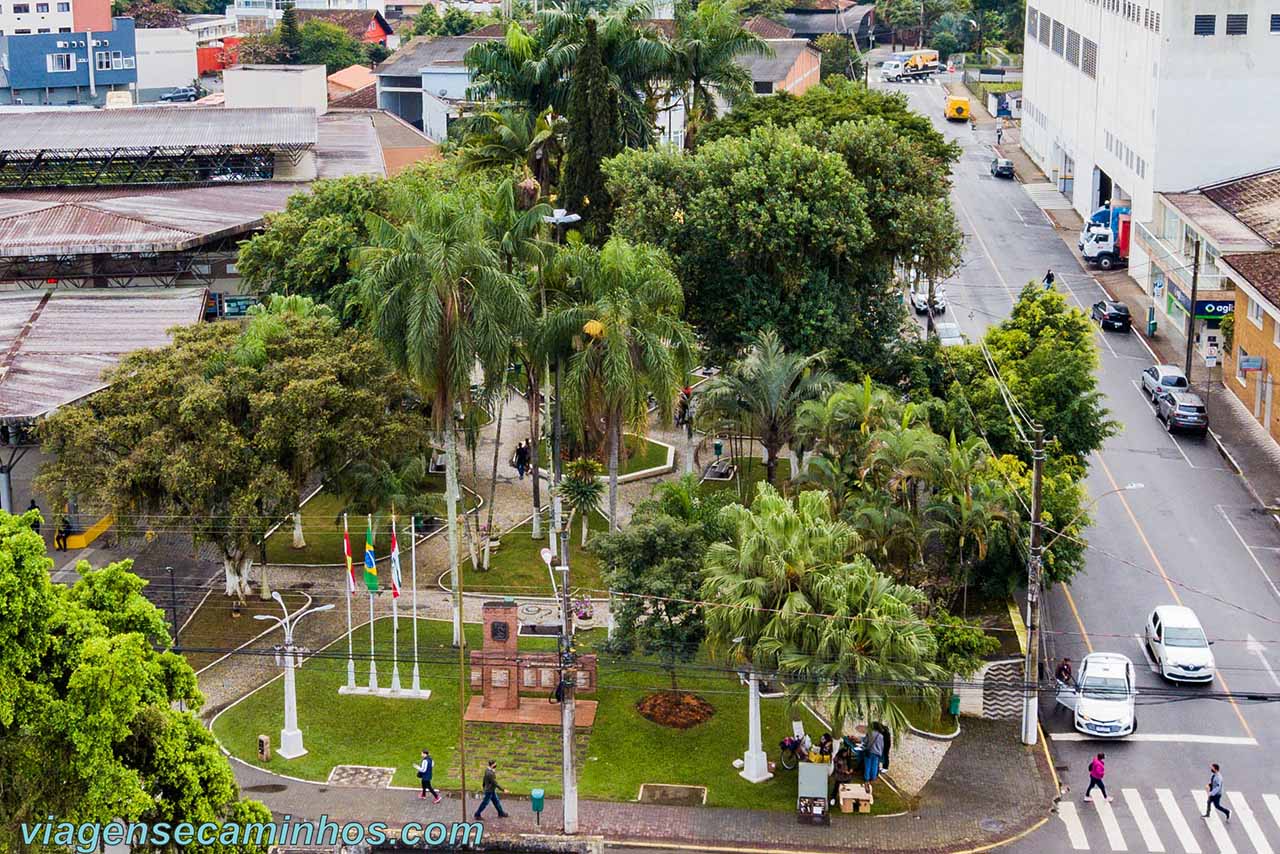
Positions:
(62, 44)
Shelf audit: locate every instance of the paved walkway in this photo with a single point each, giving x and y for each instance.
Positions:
(978, 796)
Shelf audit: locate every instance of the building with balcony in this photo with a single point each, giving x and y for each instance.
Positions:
(1126, 98)
(211, 28)
(1236, 218)
(257, 16)
(68, 68)
(33, 17)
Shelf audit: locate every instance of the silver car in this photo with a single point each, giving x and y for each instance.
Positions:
(1158, 379)
(1181, 410)
(949, 334)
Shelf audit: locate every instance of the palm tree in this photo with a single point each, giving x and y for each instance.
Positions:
(581, 487)
(436, 295)
(902, 459)
(703, 60)
(764, 392)
(622, 323)
(513, 138)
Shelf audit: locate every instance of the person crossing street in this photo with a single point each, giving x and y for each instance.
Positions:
(1097, 770)
(1214, 788)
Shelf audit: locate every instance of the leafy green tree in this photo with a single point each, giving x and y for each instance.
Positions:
(904, 16)
(261, 48)
(89, 726)
(582, 489)
(327, 44)
(437, 298)
(222, 428)
(307, 248)
(428, 22)
(593, 136)
(627, 340)
(148, 14)
(457, 22)
(752, 258)
(945, 43)
(703, 60)
(840, 56)
(687, 499)
(655, 565)
(513, 139)
(790, 595)
(963, 646)
(289, 36)
(763, 394)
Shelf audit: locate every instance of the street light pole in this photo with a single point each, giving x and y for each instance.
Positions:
(1031, 693)
(173, 608)
(290, 736)
(1191, 323)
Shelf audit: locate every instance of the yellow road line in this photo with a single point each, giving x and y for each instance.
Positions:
(1019, 628)
(1075, 612)
(1173, 591)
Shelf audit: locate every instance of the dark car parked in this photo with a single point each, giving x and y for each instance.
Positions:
(182, 93)
(1111, 315)
(1001, 168)
(1181, 410)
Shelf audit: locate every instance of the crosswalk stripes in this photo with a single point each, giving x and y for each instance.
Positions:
(1134, 823)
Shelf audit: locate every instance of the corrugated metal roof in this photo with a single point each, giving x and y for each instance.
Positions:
(168, 127)
(421, 52)
(1260, 269)
(76, 336)
(1254, 200)
(1221, 226)
(775, 68)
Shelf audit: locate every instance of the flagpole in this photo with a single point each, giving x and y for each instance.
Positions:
(413, 571)
(395, 612)
(351, 662)
(373, 664)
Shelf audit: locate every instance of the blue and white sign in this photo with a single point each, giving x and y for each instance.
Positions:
(1213, 309)
(1250, 363)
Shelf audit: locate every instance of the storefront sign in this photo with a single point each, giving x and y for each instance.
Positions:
(1250, 363)
(1183, 300)
(1214, 309)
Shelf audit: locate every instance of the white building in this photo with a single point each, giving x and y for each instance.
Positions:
(1123, 99)
(261, 15)
(211, 28)
(166, 60)
(44, 16)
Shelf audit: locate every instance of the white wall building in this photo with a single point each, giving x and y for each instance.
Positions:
(166, 60)
(35, 16)
(211, 28)
(1123, 99)
(277, 86)
(269, 11)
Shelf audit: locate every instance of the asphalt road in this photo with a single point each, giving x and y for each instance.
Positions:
(1190, 535)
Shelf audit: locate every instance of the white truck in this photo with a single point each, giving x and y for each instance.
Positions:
(915, 65)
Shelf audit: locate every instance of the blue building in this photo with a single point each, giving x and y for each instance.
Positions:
(68, 68)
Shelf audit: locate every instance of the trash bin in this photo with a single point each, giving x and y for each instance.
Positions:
(953, 708)
(537, 800)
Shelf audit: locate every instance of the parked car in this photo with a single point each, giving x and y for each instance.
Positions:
(1103, 696)
(920, 301)
(949, 334)
(1178, 645)
(1110, 314)
(1158, 379)
(182, 93)
(1001, 168)
(1182, 410)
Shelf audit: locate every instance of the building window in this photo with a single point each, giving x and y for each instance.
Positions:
(102, 61)
(1089, 58)
(1033, 17)
(22, 32)
(1237, 25)
(1073, 48)
(64, 29)
(21, 8)
(60, 62)
(1241, 353)
(1156, 22)
(1046, 24)
(1255, 312)
(1275, 23)
(762, 87)
(1059, 36)
(42, 8)
(1275, 332)
(1206, 25)
(42, 29)
(64, 7)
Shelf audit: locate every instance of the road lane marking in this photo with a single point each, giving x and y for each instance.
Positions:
(1165, 737)
(983, 245)
(1222, 511)
(1173, 591)
(1109, 824)
(1075, 830)
(1240, 807)
(1216, 830)
(1146, 653)
(1179, 824)
(1075, 612)
(1273, 806)
(1145, 827)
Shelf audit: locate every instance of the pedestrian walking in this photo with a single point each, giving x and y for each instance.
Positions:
(872, 751)
(35, 526)
(425, 768)
(491, 789)
(999, 134)
(1048, 280)
(61, 533)
(1097, 770)
(1215, 793)
(522, 458)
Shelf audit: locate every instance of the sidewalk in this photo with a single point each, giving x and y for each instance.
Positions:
(988, 789)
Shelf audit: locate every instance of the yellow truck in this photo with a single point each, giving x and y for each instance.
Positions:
(916, 64)
(957, 109)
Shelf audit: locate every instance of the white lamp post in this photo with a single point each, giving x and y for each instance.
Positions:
(290, 737)
(755, 762)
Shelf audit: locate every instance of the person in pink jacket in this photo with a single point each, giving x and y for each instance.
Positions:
(1097, 770)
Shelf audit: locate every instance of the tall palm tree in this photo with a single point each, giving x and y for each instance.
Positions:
(582, 489)
(436, 295)
(628, 342)
(901, 460)
(764, 393)
(703, 60)
(515, 138)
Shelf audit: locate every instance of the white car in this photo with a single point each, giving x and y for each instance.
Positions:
(949, 334)
(1178, 645)
(920, 301)
(1104, 696)
(1159, 379)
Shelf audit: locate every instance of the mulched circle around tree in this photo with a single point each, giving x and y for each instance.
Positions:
(676, 709)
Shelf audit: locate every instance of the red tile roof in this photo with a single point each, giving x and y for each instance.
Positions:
(1259, 269)
(766, 28)
(365, 98)
(1254, 200)
(354, 21)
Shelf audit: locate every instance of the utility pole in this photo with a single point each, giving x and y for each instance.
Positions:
(1030, 675)
(173, 607)
(568, 670)
(1191, 325)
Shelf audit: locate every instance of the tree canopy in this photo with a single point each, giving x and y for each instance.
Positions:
(89, 731)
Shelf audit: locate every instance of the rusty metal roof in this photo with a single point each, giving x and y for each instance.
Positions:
(155, 127)
(55, 345)
(1254, 200)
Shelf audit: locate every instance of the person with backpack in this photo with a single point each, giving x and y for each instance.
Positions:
(425, 769)
(1097, 770)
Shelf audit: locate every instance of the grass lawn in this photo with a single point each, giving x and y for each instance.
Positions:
(929, 718)
(639, 456)
(751, 471)
(516, 568)
(213, 628)
(322, 526)
(623, 751)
